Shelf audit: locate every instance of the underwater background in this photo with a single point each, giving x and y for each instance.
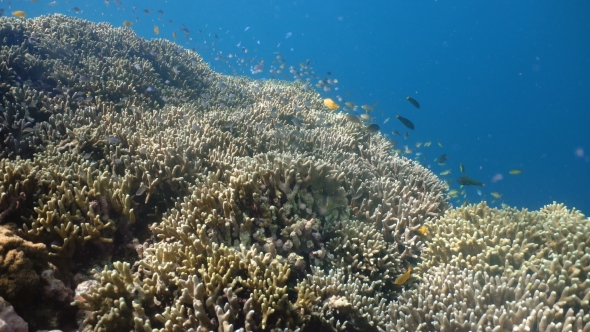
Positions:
(502, 85)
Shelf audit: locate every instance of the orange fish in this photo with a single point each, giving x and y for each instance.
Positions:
(156, 30)
(331, 104)
(19, 13)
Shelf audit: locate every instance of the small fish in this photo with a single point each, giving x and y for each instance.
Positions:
(404, 277)
(141, 190)
(366, 117)
(413, 101)
(479, 192)
(52, 3)
(395, 133)
(19, 13)
(447, 172)
(367, 108)
(372, 128)
(406, 135)
(422, 230)
(515, 171)
(496, 195)
(156, 30)
(467, 181)
(247, 28)
(440, 144)
(174, 35)
(441, 160)
(453, 193)
(353, 118)
(289, 34)
(127, 24)
(113, 140)
(386, 120)
(427, 144)
(405, 122)
(461, 168)
(331, 104)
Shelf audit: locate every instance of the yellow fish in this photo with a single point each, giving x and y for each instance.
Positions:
(427, 144)
(515, 171)
(404, 277)
(156, 30)
(447, 172)
(422, 230)
(454, 193)
(331, 104)
(19, 13)
(127, 24)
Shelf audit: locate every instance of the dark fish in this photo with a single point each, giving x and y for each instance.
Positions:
(467, 181)
(443, 158)
(462, 168)
(405, 122)
(413, 101)
(406, 135)
(372, 128)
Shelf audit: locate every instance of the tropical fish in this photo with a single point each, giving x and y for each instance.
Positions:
(174, 35)
(496, 195)
(427, 144)
(156, 30)
(372, 128)
(453, 193)
(515, 171)
(331, 104)
(405, 122)
(366, 117)
(395, 133)
(413, 101)
(467, 181)
(440, 144)
(127, 24)
(353, 118)
(441, 160)
(19, 13)
(422, 230)
(367, 108)
(447, 172)
(404, 277)
(462, 168)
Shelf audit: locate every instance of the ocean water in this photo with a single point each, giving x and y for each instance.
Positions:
(502, 85)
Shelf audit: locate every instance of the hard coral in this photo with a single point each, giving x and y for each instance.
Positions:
(21, 263)
(246, 192)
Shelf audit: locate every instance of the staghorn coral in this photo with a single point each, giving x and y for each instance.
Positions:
(247, 187)
(506, 270)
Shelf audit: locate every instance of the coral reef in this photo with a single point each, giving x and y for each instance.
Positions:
(211, 201)
(172, 198)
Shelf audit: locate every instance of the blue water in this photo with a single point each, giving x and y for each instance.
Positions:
(502, 84)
